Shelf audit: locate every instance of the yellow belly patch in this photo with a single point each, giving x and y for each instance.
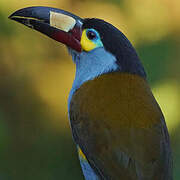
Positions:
(81, 154)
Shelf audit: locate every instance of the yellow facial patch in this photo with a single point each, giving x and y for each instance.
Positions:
(86, 43)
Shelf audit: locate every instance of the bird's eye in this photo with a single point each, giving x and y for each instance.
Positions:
(90, 40)
(91, 35)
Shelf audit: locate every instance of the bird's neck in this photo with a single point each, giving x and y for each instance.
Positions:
(90, 66)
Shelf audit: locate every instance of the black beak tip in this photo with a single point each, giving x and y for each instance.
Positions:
(21, 13)
(14, 17)
(11, 16)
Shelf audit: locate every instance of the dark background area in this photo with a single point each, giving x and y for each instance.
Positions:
(36, 75)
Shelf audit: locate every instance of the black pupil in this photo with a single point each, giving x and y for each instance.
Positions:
(91, 35)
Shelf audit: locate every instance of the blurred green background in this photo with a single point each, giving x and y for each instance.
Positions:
(36, 75)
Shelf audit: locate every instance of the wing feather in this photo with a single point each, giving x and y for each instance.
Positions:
(120, 128)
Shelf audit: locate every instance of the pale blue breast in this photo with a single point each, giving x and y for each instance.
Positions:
(90, 65)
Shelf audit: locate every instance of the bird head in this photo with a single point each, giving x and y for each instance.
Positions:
(97, 47)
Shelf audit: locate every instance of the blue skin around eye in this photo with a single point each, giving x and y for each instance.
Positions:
(96, 40)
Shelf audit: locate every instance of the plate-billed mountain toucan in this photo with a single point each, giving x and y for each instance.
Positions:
(117, 125)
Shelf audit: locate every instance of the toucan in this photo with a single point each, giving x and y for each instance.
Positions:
(117, 125)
